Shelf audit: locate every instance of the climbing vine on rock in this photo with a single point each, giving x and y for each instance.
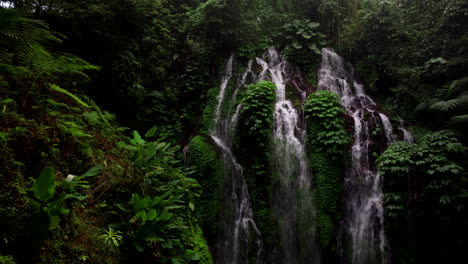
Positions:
(255, 132)
(256, 118)
(326, 143)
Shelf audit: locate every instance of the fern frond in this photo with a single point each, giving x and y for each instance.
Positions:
(18, 34)
(461, 119)
(444, 106)
(442, 91)
(458, 86)
(78, 100)
(423, 92)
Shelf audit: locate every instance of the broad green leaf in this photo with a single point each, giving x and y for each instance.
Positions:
(314, 48)
(137, 138)
(313, 25)
(175, 261)
(93, 171)
(44, 186)
(151, 215)
(54, 221)
(167, 244)
(297, 45)
(141, 215)
(151, 132)
(58, 211)
(121, 144)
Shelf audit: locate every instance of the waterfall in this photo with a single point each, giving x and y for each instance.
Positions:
(407, 136)
(237, 228)
(292, 203)
(364, 219)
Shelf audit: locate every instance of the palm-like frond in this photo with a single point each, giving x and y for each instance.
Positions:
(425, 95)
(451, 104)
(20, 35)
(24, 41)
(456, 120)
(458, 86)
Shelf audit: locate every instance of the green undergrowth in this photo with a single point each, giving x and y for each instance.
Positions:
(326, 146)
(425, 183)
(136, 202)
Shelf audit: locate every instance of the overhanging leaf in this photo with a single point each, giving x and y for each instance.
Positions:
(297, 45)
(313, 25)
(313, 47)
(151, 132)
(93, 171)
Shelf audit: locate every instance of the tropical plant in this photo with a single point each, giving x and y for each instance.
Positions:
(47, 205)
(450, 100)
(112, 239)
(425, 187)
(256, 117)
(325, 116)
(302, 40)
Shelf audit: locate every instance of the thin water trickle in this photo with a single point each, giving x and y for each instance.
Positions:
(238, 228)
(407, 136)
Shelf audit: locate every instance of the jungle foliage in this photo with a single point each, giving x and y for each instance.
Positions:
(78, 79)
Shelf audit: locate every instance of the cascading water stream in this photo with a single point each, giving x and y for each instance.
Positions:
(293, 212)
(407, 136)
(292, 203)
(237, 224)
(364, 218)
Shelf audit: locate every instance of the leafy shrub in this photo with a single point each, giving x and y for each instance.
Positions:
(425, 188)
(303, 40)
(326, 120)
(256, 118)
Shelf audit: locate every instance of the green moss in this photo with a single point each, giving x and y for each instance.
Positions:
(208, 174)
(209, 111)
(327, 229)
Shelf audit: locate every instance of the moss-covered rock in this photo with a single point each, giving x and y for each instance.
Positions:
(208, 169)
(326, 146)
(253, 144)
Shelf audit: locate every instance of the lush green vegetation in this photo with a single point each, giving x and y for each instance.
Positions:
(255, 136)
(78, 79)
(425, 184)
(326, 142)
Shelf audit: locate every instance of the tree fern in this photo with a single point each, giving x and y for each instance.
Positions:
(24, 42)
(19, 34)
(425, 95)
(461, 119)
(451, 104)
